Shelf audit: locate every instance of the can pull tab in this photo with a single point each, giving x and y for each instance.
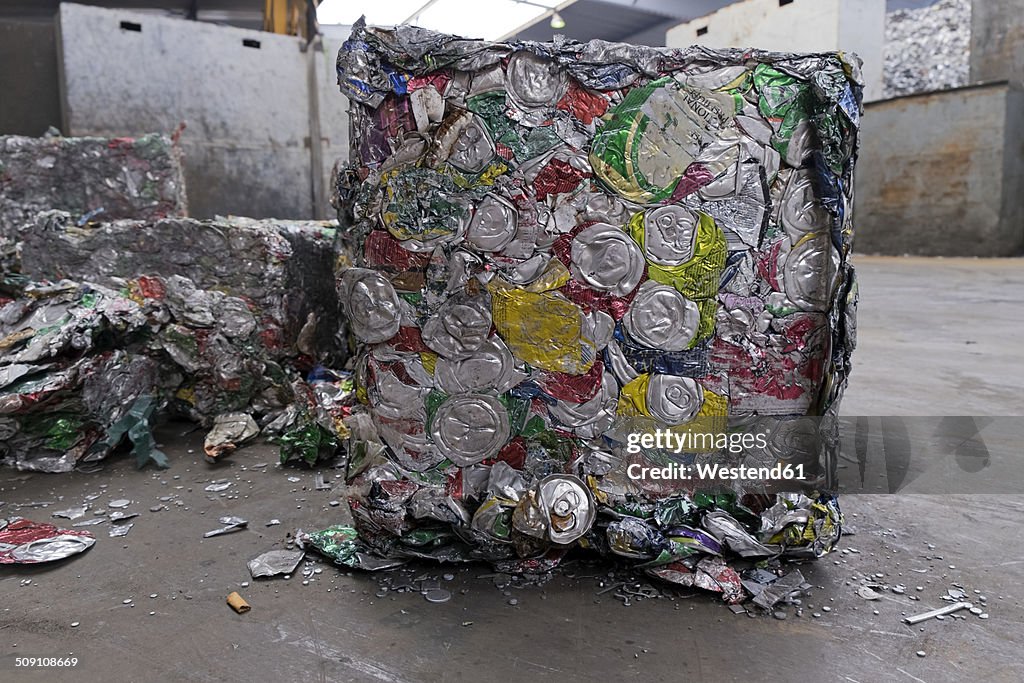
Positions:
(563, 515)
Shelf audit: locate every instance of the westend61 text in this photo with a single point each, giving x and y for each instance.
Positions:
(714, 472)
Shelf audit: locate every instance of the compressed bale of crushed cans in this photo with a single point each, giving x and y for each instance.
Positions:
(88, 177)
(83, 366)
(212, 350)
(283, 268)
(567, 245)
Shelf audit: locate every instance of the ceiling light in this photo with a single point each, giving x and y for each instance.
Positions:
(557, 21)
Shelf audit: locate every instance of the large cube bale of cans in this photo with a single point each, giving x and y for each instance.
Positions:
(284, 269)
(568, 245)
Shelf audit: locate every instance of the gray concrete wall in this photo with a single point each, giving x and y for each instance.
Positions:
(247, 109)
(333, 108)
(29, 96)
(1013, 164)
(939, 174)
(856, 26)
(997, 40)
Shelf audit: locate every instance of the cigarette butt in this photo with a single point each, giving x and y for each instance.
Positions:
(238, 603)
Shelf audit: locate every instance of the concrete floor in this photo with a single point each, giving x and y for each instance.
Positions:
(914, 359)
(938, 337)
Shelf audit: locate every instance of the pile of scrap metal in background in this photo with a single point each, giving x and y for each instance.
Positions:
(114, 308)
(928, 48)
(564, 246)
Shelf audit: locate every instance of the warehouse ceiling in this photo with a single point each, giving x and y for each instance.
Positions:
(528, 19)
(635, 21)
(632, 21)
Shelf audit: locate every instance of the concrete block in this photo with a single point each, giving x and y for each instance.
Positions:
(942, 174)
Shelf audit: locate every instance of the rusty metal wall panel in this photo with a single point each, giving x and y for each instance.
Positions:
(997, 40)
(936, 175)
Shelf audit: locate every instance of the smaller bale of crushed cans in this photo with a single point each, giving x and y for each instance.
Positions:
(283, 269)
(88, 177)
(84, 368)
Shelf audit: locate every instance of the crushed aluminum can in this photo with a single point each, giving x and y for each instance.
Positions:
(230, 431)
(593, 416)
(659, 317)
(634, 538)
(341, 544)
(710, 573)
(408, 188)
(493, 519)
(544, 329)
(569, 507)
(470, 428)
(669, 235)
(606, 258)
(459, 327)
(695, 539)
(466, 141)
(674, 400)
(731, 534)
(275, 562)
(677, 121)
(669, 399)
(26, 542)
(534, 82)
(371, 305)
(493, 224)
(490, 367)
